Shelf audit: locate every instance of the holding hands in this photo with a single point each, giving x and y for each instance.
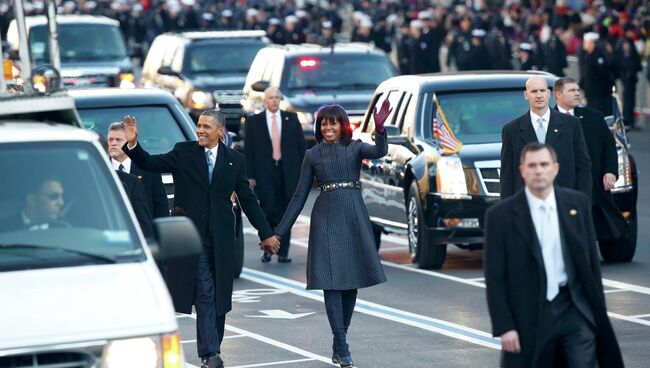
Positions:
(381, 115)
(131, 130)
(270, 244)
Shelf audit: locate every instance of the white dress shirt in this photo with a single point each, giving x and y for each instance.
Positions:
(126, 163)
(534, 117)
(547, 229)
(269, 121)
(570, 112)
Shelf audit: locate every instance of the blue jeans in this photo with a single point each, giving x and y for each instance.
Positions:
(339, 305)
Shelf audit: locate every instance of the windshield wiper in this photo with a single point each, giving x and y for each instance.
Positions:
(101, 257)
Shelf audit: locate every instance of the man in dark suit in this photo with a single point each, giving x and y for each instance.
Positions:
(206, 173)
(42, 210)
(544, 125)
(135, 191)
(542, 273)
(608, 220)
(274, 148)
(155, 195)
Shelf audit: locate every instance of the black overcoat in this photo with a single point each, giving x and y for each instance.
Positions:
(259, 153)
(516, 280)
(209, 206)
(564, 134)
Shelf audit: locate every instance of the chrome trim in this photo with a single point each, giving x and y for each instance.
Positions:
(492, 164)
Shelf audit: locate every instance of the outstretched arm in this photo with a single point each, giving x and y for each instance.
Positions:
(158, 163)
(299, 197)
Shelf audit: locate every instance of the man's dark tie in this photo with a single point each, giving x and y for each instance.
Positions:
(121, 168)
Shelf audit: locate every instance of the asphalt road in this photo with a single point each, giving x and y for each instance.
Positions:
(418, 318)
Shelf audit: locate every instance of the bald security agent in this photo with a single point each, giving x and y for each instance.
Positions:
(542, 274)
(544, 125)
(206, 173)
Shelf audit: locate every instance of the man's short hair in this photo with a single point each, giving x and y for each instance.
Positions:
(117, 125)
(536, 146)
(218, 117)
(560, 83)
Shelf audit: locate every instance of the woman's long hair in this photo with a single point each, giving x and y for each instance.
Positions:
(333, 113)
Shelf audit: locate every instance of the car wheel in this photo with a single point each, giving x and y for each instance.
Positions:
(620, 250)
(423, 251)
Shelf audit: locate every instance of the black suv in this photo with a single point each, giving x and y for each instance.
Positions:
(92, 50)
(162, 123)
(310, 76)
(204, 70)
(423, 189)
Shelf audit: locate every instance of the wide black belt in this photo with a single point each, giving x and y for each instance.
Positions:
(352, 184)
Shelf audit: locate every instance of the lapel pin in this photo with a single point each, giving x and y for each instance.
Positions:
(573, 212)
(555, 130)
(230, 163)
(580, 116)
(286, 118)
(139, 176)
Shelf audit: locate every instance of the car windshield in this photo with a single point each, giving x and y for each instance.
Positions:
(157, 129)
(221, 58)
(61, 208)
(346, 72)
(79, 42)
(478, 116)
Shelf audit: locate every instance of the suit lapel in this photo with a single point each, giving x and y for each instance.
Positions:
(526, 129)
(568, 218)
(554, 127)
(200, 162)
(264, 126)
(524, 224)
(285, 128)
(218, 173)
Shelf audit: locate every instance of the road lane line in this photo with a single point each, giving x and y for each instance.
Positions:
(641, 316)
(610, 291)
(276, 343)
(187, 341)
(273, 363)
(442, 327)
(629, 318)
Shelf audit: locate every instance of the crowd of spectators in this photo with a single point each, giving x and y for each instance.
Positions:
(477, 34)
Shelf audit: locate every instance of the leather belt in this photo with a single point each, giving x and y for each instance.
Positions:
(353, 184)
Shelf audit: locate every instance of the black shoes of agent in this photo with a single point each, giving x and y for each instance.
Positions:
(344, 362)
(266, 258)
(212, 361)
(284, 259)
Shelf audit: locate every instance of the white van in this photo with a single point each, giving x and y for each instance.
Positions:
(79, 286)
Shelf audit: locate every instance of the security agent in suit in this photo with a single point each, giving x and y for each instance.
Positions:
(608, 220)
(542, 273)
(206, 173)
(135, 192)
(544, 125)
(155, 195)
(42, 209)
(273, 159)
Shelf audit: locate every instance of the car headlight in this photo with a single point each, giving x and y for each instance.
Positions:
(201, 100)
(450, 178)
(306, 119)
(127, 80)
(144, 352)
(624, 181)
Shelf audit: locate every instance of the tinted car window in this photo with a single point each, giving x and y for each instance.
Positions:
(157, 127)
(477, 117)
(63, 205)
(79, 42)
(336, 71)
(210, 58)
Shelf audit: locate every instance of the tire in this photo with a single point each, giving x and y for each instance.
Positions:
(239, 251)
(423, 251)
(620, 250)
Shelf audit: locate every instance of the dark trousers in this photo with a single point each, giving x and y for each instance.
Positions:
(629, 98)
(339, 305)
(209, 326)
(565, 335)
(273, 203)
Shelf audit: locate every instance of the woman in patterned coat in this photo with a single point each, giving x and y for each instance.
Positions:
(342, 255)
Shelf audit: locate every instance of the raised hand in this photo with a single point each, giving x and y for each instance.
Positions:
(131, 130)
(381, 115)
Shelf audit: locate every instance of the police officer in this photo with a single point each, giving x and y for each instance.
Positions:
(628, 63)
(460, 47)
(479, 55)
(499, 47)
(595, 75)
(555, 53)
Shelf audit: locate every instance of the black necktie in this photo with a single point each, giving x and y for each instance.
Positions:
(121, 168)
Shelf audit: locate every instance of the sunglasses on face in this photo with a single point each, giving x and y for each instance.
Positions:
(54, 196)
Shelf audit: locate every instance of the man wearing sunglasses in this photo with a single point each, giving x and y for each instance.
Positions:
(42, 209)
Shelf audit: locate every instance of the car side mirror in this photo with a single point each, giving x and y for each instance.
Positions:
(167, 70)
(260, 86)
(176, 237)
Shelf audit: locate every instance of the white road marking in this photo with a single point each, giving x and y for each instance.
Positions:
(641, 316)
(609, 291)
(273, 363)
(276, 343)
(392, 314)
(629, 318)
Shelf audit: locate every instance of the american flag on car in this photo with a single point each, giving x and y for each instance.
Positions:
(443, 134)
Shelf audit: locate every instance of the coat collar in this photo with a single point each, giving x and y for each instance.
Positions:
(524, 224)
(554, 130)
(201, 164)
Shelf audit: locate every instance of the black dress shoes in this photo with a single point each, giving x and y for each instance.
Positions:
(266, 257)
(213, 361)
(283, 259)
(344, 362)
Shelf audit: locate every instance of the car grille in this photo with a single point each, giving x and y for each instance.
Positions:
(49, 360)
(489, 173)
(228, 97)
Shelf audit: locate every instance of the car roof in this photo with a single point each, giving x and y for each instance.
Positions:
(40, 20)
(26, 131)
(212, 35)
(475, 80)
(338, 48)
(113, 97)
